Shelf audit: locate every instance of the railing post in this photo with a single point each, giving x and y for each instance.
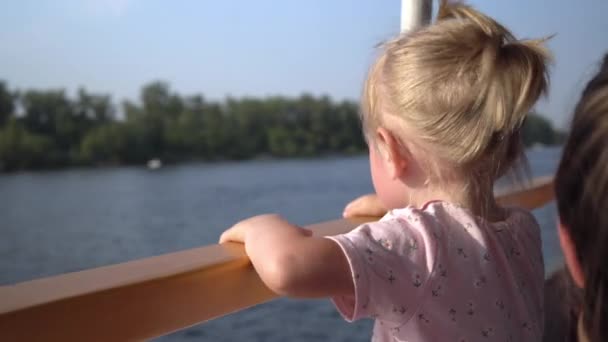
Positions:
(415, 13)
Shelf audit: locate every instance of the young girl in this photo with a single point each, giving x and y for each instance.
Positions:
(581, 188)
(442, 111)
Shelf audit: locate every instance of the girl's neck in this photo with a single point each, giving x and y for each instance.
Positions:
(479, 200)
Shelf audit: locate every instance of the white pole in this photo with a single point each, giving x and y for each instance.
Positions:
(415, 13)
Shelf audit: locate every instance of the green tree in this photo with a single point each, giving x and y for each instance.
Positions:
(7, 103)
(247, 120)
(51, 114)
(106, 144)
(537, 129)
(158, 101)
(45, 111)
(20, 149)
(148, 123)
(93, 109)
(185, 135)
(215, 131)
(281, 142)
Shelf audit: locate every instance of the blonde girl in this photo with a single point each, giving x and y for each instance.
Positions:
(442, 110)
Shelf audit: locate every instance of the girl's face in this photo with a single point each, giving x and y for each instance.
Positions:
(388, 187)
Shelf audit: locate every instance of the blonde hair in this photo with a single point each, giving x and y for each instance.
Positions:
(464, 85)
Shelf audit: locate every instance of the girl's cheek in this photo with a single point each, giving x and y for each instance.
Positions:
(376, 170)
(388, 190)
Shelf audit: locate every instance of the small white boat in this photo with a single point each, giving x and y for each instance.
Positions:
(154, 164)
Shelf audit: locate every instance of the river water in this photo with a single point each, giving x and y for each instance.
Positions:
(63, 221)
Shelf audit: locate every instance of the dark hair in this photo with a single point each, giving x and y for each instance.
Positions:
(581, 186)
(562, 307)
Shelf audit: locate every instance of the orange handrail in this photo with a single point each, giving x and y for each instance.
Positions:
(154, 296)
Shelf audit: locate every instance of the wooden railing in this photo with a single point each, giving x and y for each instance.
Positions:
(151, 297)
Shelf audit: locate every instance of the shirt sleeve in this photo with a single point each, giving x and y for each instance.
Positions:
(391, 262)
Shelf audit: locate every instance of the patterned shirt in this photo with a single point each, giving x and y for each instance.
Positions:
(441, 273)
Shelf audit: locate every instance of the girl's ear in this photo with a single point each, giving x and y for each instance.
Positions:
(394, 154)
(569, 250)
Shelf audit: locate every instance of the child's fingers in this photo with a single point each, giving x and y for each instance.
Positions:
(237, 232)
(349, 209)
(353, 207)
(367, 205)
(231, 235)
(225, 237)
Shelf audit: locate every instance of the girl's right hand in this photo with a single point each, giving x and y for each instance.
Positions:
(366, 205)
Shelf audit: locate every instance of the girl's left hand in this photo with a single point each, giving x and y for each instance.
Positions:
(268, 222)
(289, 260)
(366, 205)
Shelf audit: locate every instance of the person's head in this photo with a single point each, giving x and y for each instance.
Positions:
(446, 102)
(581, 187)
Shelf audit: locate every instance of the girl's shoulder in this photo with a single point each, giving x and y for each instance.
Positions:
(443, 209)
(444, 217)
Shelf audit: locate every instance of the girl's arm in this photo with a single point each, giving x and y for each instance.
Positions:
(290, 261)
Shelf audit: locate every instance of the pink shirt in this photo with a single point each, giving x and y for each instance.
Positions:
(442, 274)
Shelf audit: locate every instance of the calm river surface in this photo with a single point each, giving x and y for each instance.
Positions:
(64, 221)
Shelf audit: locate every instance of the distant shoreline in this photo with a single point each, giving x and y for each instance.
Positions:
(50, 129)
(182, 162)
(174, 163)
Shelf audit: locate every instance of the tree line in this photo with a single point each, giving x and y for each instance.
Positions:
(48, 129)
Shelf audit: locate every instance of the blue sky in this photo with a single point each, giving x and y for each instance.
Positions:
(257, 47)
